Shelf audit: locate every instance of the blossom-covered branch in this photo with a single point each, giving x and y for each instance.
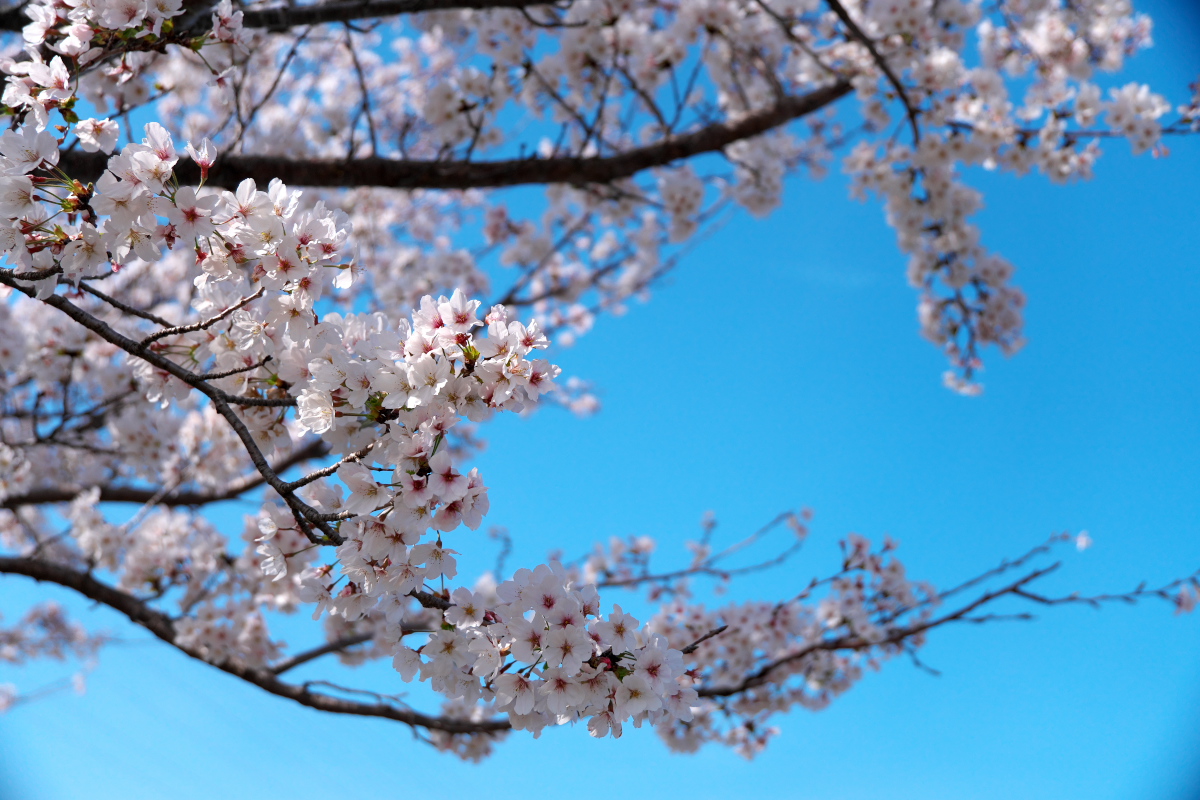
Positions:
(758, 659)
(183, 326)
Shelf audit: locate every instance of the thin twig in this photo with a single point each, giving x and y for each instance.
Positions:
(202, 325)
(128, 309)
(691, 648)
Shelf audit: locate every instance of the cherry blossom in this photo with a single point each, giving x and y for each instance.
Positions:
(176, 336)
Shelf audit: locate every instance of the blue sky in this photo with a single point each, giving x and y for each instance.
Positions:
(1093, 426)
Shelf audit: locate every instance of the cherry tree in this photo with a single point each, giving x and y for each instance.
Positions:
(306, 277)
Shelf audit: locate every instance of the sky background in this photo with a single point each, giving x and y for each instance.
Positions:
(780, 367)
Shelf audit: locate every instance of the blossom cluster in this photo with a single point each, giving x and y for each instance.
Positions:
(45, 631)
(966, 117)
(736, 666)
(399, 393)
(539, 649)
(813, 647)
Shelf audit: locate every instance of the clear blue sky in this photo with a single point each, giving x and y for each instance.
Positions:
(1095, 426)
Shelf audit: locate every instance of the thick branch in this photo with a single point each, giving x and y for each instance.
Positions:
(154, 621)
(13, 19)
(161, 626)
(232, 169)
(281, 19)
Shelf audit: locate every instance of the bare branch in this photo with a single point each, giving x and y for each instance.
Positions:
(709, 566)
(854, 642)
(330, 647)
(691, 648)
(213, 376)
(325, 472)
(232, 168)
(281, 19)
(128, 309)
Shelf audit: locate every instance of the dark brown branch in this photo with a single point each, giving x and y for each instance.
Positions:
(857, 33)
(691, 648)
(35, 275)
(306, 516)
(152, 620)
(214, 376)
(203, 324)
(853, 642)
(325, 472)
(899, 636)
(330, 647)
(144, 352)
(231, 169)
(128, 309)
(430, 600)
(163, 627)
(131, 494)
(281, 19)
(709, 566)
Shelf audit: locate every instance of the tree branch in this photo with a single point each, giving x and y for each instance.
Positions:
(231, 169)
(853, 642)
(163, 627)
(866, 42)
(317, 652)
(691, 648)
(131, 494)
(281, 19)
(306, 516)
(203, 324)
